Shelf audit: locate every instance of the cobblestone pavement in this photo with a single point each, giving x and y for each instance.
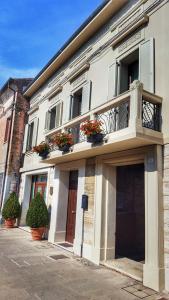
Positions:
(39, 270)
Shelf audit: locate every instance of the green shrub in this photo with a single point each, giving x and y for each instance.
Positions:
(12, 208)
(37, 215)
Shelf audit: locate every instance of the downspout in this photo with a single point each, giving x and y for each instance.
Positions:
(8, 143)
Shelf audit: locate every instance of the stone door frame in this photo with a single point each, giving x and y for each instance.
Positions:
(105, 204)
(59, 203)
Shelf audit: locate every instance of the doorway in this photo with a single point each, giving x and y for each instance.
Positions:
(71, 210)
(130, 212)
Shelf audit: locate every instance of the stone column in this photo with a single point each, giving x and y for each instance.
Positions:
(153, 275)
(136, 89)
(166, 214)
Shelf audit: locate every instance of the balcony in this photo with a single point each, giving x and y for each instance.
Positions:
(131, 120)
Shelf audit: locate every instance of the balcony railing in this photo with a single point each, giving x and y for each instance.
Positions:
(151, 115)
(136, 109)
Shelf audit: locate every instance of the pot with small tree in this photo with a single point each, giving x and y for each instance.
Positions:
(42, 149)
(11, 210)
(92, 129)
(37, 217)
(64, 140)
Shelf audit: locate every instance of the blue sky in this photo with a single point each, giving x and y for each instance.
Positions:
(31, 32)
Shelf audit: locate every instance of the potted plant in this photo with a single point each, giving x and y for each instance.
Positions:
(42, 149)
(64, 140)
(92, 129)
(11, 210)
(37, 217)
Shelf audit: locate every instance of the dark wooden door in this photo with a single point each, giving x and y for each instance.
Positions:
(130, 212)
(71, 211)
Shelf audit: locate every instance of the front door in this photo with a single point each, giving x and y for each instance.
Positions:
(71, 211)
(130, 212)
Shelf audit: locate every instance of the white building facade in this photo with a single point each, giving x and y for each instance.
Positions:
(113, 69)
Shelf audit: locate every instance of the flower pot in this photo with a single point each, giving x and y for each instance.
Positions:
(65, 148)
(95, 138)
(44, 154)
(37, 233)
(9, 223)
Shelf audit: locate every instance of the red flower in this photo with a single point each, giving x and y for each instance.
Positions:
(63, 138)
(91, 127)
(42, 147)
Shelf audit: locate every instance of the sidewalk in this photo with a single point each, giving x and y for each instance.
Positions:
(38, 270)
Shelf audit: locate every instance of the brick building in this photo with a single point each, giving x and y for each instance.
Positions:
(13, 112)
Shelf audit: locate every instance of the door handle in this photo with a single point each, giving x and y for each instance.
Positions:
(73, 211)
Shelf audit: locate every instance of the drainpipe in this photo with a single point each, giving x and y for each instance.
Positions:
(9, 143)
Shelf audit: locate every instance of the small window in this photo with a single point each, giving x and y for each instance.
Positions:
(7, 129)
(30, 137)
(129, 71)
(76, 104)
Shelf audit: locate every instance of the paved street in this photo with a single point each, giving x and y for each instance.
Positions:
(29, 272)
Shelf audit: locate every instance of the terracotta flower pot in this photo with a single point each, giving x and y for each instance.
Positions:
(37, 233)
(9, 223)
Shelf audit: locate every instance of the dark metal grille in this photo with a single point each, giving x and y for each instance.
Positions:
(151, 115)
(115, 119)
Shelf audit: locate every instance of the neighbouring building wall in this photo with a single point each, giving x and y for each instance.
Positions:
(13, 116)
(15, 157)
(166, 213)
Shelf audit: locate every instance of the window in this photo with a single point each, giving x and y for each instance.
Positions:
(30, 136)
(54, 117)
(6, 137)
(76, 104)
(129, 71)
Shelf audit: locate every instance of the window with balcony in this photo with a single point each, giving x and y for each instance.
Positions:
(128, 71)
(54, 117)
(76, 104)
(137, 65)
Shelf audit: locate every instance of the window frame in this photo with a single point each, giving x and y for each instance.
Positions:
(59, 122)
(72, 102)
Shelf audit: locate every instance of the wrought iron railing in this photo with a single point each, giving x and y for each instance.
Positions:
(133, 109)
(78, 135)
(114, 119)
(151, 115)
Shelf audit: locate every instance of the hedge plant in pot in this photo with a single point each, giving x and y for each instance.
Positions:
(11, 210)
(37, 217)
(92, 129)
(42, 149)
(64, 140)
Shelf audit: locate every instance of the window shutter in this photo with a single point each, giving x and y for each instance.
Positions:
(67, 109)
(86, 97)
(25, 138)
(35, 132)
(112, 81)
(146, 65)
(58, 115)
(47, 120)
